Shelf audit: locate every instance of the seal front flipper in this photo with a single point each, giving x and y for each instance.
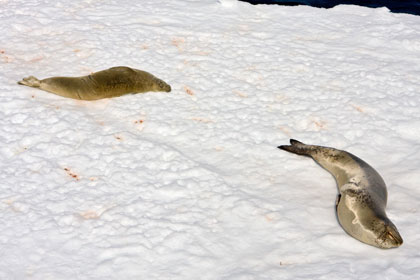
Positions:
(30, 81)
(337, 201)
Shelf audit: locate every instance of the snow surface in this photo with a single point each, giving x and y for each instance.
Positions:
(190, 184)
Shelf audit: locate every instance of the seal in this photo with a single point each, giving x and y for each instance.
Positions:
(112, 82)
(362, 198)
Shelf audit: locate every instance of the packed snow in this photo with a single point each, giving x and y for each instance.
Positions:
(190, 184)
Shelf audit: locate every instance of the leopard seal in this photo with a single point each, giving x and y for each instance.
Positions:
(112, 82)
(362, 198)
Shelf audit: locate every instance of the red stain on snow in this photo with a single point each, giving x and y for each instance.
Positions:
(240, 94)
(72, 174)
(188, 90)
(203, 120)
(90, 214)
(36, 59)
(358, 108)
(5, 57)
(178, 42)
(320, 124)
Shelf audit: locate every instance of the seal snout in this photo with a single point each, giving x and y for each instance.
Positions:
(162, 86)
(394, 236)
(391, 237)
(168, 88)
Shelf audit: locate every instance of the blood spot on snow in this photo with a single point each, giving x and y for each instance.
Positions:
(144, 47)
(268, 218)
(320, 124)
(204, 53)
(240, 94)
(5, 58)
(72, 174)
(203, 120)
(285, 130)
(90, 214)
(36, 59)
(178, 42)
(76, 50)
(95, 214)
(33, 96)
(189, 63)
(12, 206)
(139, 124)
(188, 90)
(358, 108)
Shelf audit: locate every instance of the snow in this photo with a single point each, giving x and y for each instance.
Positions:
(190, 184)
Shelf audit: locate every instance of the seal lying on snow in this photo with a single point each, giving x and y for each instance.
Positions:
(113, 82)
(361, 203)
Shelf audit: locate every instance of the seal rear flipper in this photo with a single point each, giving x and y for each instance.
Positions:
(30, 81)
(295, 142)
(297, 147)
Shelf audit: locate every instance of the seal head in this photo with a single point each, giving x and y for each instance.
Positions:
(160, 85)
(360, 217)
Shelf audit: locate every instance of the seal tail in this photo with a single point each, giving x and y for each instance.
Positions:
(30, 81)
(298, 147)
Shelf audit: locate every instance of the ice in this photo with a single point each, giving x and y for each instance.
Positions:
(190, 184)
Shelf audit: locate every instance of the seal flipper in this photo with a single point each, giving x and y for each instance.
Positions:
(337, 201)
(297, 147)
(30, 81)
(295, 142)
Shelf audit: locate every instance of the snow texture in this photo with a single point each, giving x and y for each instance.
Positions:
(190, 184)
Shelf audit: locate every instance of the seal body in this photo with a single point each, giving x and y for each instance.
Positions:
(113, 82)
(362, 195)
